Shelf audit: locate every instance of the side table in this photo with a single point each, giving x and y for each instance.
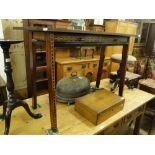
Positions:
(12, 101)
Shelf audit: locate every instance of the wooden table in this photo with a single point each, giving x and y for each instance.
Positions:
(68, 38)
(71, 122)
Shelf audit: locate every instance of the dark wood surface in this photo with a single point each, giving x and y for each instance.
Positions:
(3, 94)
(64, 31)
(123, 69)
(51, 80)
(100, 68)
(27, 48)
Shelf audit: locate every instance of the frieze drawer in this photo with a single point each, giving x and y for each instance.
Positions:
(86, 38)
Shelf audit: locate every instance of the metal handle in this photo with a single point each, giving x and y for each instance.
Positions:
(74, 74)
(83, 66)
(94, 65)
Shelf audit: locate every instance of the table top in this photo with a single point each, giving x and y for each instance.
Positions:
(54, 30)
(10, 41)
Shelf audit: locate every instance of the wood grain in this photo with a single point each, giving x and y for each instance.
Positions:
(99, 105)
(69, 121)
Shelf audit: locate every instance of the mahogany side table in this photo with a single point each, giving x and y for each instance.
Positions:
(12, 102)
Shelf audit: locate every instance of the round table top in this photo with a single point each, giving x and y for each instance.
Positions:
(10, 41)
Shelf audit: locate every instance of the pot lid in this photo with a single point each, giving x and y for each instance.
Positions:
(72, 87)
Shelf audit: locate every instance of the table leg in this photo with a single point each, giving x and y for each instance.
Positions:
(99, 73)
(2, 117)
(51, 82)
(137, 124)
(123, 69)
(152, 123)
(13, 105)
(4, 108)
(7, 120)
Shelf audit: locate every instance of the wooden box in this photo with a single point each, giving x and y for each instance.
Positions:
(99, 106)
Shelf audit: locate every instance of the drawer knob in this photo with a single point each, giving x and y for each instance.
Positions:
(94, 65)
(83, 66)
(69, 69)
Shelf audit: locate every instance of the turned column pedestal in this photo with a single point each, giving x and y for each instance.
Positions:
(12, 102)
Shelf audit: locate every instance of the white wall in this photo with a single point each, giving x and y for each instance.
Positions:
(2, 73)
(17, 52)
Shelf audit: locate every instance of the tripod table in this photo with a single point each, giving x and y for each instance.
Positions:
(12, 102)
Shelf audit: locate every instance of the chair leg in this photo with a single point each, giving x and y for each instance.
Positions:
(151, 126)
